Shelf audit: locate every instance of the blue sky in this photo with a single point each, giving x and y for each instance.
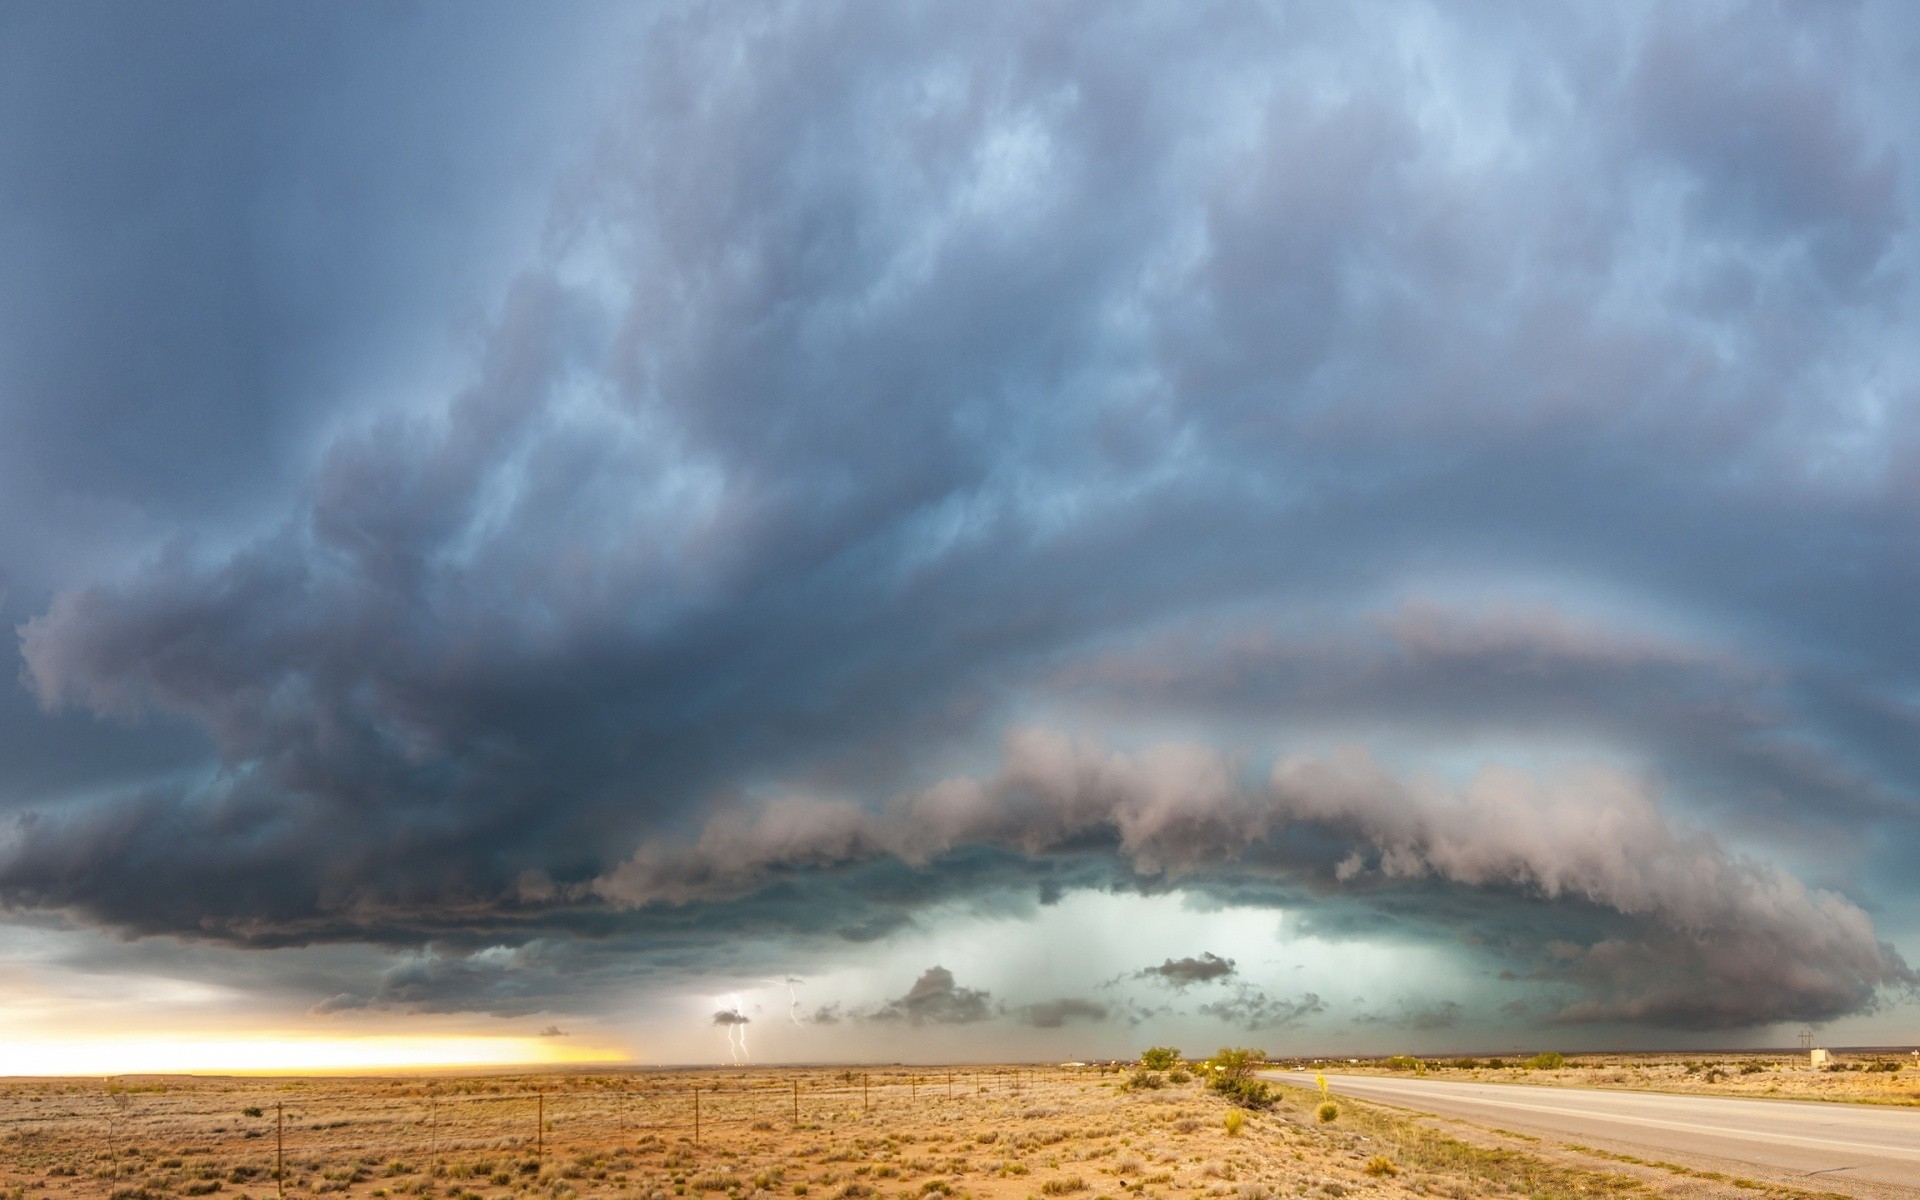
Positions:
(961, 531)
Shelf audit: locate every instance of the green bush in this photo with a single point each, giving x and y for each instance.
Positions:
(1327, 1112)
(1236, 1121)
(1144, 1081)
(1159, 1058)
(1552, 1060)
(1402, 1062)
(1247, 1093)
(1177, 1076)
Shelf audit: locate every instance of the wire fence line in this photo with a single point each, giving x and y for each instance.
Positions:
(263, 1130)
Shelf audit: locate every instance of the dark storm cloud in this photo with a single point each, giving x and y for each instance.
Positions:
(731, 1016)
(1183, 972)
(936, 998)
(884, 372)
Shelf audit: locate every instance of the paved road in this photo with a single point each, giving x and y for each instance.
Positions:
(1815, 1145)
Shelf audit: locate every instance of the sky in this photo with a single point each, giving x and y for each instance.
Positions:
(815, 532)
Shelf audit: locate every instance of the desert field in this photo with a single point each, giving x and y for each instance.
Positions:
(898, 1133)
(1853, 1077)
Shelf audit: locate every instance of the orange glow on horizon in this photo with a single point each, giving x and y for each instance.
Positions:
(289, 1055)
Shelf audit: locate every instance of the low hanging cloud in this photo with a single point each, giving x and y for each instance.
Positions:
(1181, 973)
(1440, 1014)
(1052, 1014)
(731, 1016)
(1699, 937)
(935, 998)
(1254, 1010)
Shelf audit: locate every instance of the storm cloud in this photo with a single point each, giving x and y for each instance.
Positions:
(1447, 474)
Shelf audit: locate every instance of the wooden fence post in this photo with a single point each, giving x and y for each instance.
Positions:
(696, 1116)
(540, 1126)
(863, 1093)
(279, 1148)
(796, 1102)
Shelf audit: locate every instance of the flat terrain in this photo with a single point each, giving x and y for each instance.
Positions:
(1801, 1142)
(973, 1133)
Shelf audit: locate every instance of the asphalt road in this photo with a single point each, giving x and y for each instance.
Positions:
(1866, 1149)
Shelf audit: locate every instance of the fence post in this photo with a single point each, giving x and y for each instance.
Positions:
(796, 1102)
(279, 1148)
(540, 1126)
(696, 1116)
(913, 1088)
(863, 1093)
(433, 1133)
(949, 1085)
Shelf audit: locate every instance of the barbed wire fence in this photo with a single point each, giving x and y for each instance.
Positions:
(269, 1133)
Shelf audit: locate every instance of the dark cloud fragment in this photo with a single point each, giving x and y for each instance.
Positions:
(1181, 973)
(1052, 1014)
(1254, 1010)
(935, 998)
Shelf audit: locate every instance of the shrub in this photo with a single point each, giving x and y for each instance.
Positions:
(1178, 1076)
(1232, 1063)
(1380, 1164)
(1402, 1062)
(1062, 1187)
(1327, 1112)
(250, 1112)
(1247, 1093)
(1751, 1068)
(1236, 1121)
(1551, 1060)
(1159, 1058)
(1144, 1081)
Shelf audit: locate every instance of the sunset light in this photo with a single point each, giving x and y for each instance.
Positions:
(268, 1055)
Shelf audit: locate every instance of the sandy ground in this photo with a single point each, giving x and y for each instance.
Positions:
(976, 1133)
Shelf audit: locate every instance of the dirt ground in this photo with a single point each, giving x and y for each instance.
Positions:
(973, 1133)
(1862, 1077)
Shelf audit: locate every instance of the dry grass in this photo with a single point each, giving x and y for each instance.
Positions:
(1001, 1134)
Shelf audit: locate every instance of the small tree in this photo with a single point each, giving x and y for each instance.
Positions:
(1159, 1058)
(1232, 1071)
